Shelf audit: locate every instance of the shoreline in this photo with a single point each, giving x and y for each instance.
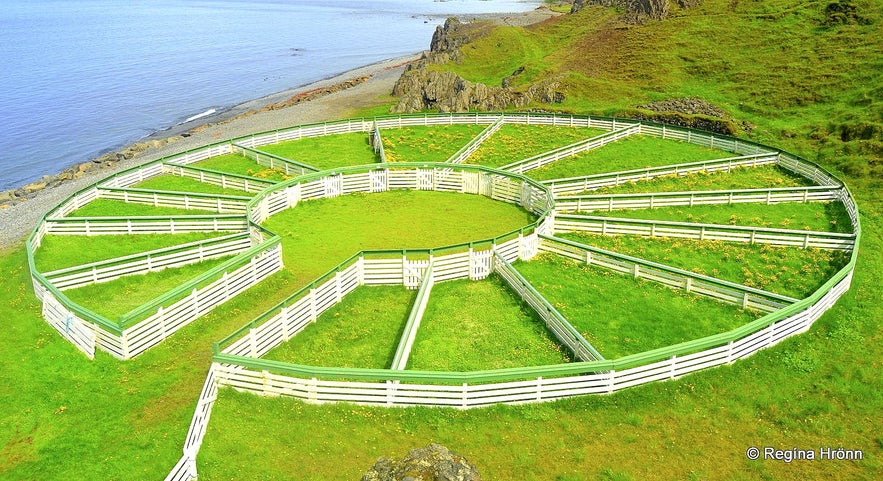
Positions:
(331, 98)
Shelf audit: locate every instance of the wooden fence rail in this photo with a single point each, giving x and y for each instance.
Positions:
(289, 167)
(403, 351)
(540, 160)
(576, 185)
(151, 261)
(565, 223)
(464, 152)
(221, 179)
(557, 324)
(89, 226)
(222, 204)
(588, 203)
(724, 291)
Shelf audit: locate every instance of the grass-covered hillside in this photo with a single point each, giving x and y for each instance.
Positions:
(808, 74)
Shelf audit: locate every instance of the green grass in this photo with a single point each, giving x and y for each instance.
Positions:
(739, 178)
(800, 85)
(60, 251)
(633, 152)
(619, 315)
(784, 270)
(362, 331)
(115, 298)
(815, 216)
(389, 220)
(478, 325)
(514, 142)
(426, 144)
(184, 184)
(242, 165)
(327, 152)
(119, 208)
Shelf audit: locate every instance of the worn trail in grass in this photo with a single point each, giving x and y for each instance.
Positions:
(479, 325)
(784, 270)
(362, 331)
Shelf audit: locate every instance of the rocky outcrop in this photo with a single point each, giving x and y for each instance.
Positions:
(432, 463)
(423, 88)
(636, 11)
(688, 112)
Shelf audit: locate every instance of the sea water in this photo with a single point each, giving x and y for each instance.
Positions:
(81, 77)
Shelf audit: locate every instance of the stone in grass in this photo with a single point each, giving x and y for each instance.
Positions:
(432, 463)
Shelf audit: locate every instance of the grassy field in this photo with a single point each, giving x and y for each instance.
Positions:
(372, 222)
(184, 184)
(327, 152)
(619, 315)
(633, 152)
(362, 331)
(60, 251)
(516, 142)
(479, 325)
(242, 165)
(798, 82)
(816, 216)
(119, 208)
(426, 144)
(740, 178)
(784, 270)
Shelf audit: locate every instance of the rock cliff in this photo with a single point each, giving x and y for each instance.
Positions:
(432, 463)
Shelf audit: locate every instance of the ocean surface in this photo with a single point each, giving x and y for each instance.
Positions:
(82, 77)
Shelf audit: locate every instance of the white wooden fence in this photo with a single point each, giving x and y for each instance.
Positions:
(718, 289)
(576, 185)
(565, 223)
(151, 261)
(223, 204)
(224, 180)
(557, 324)
(89, 226)
(541, 160)
(588, 203)
(377, 143)
(288, 166)
(464, 152)
(412, 325)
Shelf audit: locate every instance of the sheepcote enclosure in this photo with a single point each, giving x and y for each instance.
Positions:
(231, 207)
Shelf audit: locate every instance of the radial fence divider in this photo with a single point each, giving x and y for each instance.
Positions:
(150, 261)
(217, 177)
(575, 185)
(230, 204)
(600, 225)
(545, 158)
(174, 224)
(273, 161)
(555, 322)
(718, 289)
(406, 342)
(464, 152)
(377, 143)
(651, 200)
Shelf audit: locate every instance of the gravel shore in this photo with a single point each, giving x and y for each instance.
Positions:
(19, 219)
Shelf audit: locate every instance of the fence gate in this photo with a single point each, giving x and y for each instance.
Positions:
(333, 185)
(471, 182)
(425, 179)
(413, 272)
(379, 180)
(480, 263)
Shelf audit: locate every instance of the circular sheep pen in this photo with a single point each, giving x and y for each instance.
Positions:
(574, 217)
